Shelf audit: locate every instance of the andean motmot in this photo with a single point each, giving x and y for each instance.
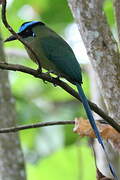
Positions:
(57, 57)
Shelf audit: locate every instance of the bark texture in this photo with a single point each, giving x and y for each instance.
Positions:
(104, 55)
(11, 157)
(100, 156)
(117, 13)
(102, 50)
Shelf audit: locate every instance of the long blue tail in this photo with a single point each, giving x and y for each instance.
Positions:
(93, 124)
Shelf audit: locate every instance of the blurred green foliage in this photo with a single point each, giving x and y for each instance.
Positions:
(109, 11)
(68, 163)
(50, 152)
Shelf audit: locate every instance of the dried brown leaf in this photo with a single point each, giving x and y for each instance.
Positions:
(83, 128)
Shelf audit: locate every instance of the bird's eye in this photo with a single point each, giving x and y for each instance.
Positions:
(33, 34)
(27, 33)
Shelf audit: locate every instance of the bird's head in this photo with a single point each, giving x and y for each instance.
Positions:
(26, 30)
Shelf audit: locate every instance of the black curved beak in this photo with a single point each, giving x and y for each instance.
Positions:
(11, 38)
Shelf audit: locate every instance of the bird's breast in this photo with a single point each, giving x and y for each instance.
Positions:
(44, 61)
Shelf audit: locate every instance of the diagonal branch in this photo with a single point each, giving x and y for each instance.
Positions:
(10, 29)
(63, 85)
(45, 77)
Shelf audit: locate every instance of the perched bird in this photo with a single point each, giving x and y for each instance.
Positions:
(57, 56)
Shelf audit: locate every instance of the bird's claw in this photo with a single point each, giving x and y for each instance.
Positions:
(58, 78)
(39, 70)
(44, 81)
(48, 72)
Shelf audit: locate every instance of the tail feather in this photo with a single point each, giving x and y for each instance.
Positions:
(89, 113)
(93, 124)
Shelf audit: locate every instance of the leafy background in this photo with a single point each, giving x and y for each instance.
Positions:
(50, 152)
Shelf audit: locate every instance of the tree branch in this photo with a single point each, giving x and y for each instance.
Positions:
(10, 29)
(46, 77)
(37, 125)
(63, 85)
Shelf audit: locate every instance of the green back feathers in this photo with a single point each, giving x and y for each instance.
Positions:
(61, 54)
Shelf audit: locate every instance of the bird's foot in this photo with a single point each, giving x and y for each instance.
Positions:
(44, 81)
(48, 72)
(39, 70)
(58, 78)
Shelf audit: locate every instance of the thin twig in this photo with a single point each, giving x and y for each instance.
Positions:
(63, 85)
(37, 125)
(10, 29)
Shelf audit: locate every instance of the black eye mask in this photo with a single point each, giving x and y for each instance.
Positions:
(27, 33)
